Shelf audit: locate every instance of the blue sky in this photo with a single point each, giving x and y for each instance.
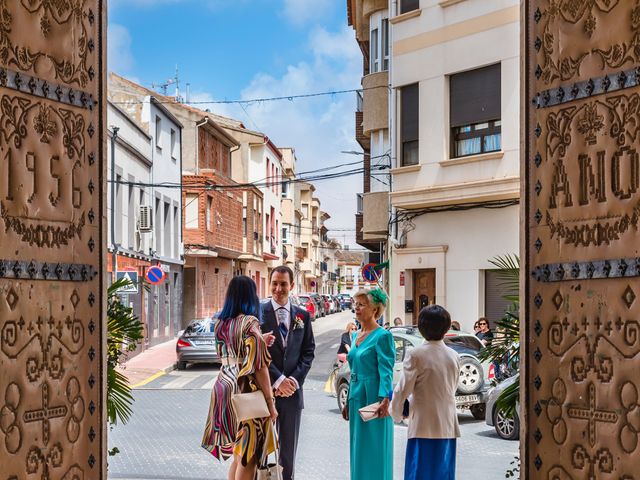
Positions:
(245, 49)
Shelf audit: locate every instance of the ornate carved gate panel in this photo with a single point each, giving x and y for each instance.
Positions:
(582, 177)
(51, 254)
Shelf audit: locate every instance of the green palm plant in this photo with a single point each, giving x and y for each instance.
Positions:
(124, 332)
(505, 347)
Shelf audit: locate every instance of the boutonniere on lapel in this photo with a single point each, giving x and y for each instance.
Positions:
(298, 322)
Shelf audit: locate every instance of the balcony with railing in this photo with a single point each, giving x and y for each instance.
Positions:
(361, 138)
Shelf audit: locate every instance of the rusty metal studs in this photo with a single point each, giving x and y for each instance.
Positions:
(537, 300)
(537, 327)
(537, 355)
(538, 462)
(537, 435)
(537, 15)
(537, 382)
(538, 71)
(538, 244)
(538, 159)
(538, 216)
(537, 408)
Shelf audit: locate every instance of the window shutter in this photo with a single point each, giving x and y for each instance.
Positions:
(494, 303)
(409, 97)
(475, 96)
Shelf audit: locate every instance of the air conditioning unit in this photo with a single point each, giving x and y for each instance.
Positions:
(145, 218)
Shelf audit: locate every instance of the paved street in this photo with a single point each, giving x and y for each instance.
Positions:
(162, 439)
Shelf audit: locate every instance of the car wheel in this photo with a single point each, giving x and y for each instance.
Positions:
(343, 395)
(507, 427)
(181, 365)
(471, 377)
(479, 411)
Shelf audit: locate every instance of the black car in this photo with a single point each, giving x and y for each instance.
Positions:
(197, 344)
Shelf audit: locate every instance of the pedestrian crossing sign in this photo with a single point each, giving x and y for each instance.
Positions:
(132, 277)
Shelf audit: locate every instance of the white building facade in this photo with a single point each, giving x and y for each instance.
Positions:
(455, 142)
(147, 219)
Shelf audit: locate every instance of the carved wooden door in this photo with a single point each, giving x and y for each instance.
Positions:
(51, 237)
(424, 290)
(582, 212)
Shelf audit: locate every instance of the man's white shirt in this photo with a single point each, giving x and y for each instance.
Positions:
(287, 321)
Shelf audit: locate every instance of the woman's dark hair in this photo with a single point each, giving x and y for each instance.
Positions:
(434, 322)
(241, 298)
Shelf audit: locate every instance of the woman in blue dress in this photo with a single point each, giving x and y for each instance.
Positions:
(371, 359)
(430, 376)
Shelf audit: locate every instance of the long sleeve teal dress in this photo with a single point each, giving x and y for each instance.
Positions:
(371, 445)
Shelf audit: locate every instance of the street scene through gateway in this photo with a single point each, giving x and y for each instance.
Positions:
(318, 239)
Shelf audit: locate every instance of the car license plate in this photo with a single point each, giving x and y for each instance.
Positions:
(204, 342)
(464, 399)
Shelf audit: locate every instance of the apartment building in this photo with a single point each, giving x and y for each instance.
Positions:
(370, 22)
(148, 153)
(216, 225)
(291, 215)
(455, 143)
(349, 265)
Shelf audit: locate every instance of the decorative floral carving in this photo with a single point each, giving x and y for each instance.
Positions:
(44, 125)
(69, 13)
(590, 123)
(13, 120)
(590, 25)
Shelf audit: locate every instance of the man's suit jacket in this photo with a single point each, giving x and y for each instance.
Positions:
(294, 360)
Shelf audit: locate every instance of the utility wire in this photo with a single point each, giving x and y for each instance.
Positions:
(258, 100)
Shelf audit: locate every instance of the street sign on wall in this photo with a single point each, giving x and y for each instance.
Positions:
(582, 215)
(155, 275)
(132, 277)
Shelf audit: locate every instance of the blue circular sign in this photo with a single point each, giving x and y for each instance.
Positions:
(154, 275)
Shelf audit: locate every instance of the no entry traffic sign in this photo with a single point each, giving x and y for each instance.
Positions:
(154, 275)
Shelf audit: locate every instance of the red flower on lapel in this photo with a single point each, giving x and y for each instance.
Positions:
(299, 321)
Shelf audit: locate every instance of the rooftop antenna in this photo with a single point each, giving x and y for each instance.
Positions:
(164, 87)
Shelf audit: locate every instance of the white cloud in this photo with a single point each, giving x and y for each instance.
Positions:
(299, 12)
(319, 128)
(119, 54)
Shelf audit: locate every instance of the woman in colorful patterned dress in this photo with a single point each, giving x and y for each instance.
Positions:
(371, 358)
(245, 368)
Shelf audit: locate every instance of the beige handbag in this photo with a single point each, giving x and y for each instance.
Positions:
(270, 471)
(249, 405)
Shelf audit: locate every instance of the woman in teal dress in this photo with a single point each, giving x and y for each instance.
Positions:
(371, 359)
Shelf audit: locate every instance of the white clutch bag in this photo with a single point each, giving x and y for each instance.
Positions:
(368, 412)
(249, 405)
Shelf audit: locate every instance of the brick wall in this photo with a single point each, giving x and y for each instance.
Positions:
(213, 154)
(226, 213)
(253, 222)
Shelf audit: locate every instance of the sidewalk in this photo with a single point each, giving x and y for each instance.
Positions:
(150, 364)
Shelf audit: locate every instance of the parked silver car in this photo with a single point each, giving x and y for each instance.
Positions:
(197, 344)
(507, 426)
(475, 378)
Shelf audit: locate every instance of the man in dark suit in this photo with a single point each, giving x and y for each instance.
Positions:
(291, 357)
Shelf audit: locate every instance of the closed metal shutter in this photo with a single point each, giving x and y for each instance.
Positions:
(494, 303)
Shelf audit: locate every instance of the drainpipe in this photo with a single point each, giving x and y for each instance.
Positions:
(114, 248)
